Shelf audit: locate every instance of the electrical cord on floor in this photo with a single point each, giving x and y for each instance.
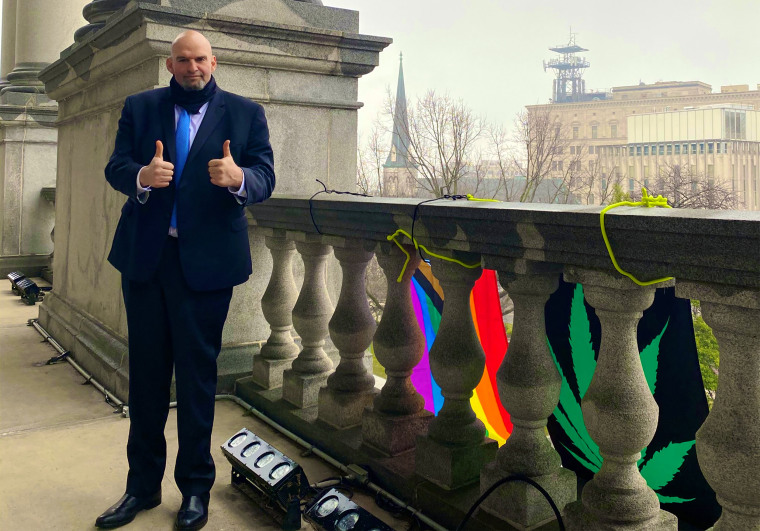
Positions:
(508, 479)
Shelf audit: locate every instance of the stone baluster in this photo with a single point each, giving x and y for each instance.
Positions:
(455, 448)
(277, 305)
(351, 387)
(619, 411)
(311, 315)
(728, 443)
(398, 412)
(529, 386)
(96, 13)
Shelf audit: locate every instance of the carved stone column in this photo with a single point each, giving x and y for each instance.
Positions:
(43, 30)
(311, 314)
(529, 386)
(619, 411)
(96, 13)
(398, 413)
(455, 448)
(8, 48)
(728, 443)
(351, 387)
(277, 305)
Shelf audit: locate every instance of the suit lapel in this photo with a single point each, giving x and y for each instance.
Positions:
(214, 114)
(168, 126)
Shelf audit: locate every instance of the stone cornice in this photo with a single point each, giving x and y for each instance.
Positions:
(719, 247)
(320, 51)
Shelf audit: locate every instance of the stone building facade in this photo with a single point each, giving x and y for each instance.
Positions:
(608, 131)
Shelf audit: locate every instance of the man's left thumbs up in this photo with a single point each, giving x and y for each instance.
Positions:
(224, 171)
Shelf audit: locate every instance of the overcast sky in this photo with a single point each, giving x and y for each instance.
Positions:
(490, 52)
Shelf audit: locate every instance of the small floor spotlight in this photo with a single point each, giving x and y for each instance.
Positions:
(334, 511)
(15, 277)
(268, 476)
(29, 291)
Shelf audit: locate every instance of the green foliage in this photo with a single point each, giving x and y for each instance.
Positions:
(660, 469)
(618, 195)
(508, 329)
(709, 356)
(377, 369)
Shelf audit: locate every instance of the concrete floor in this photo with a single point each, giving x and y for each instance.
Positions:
(62, 447)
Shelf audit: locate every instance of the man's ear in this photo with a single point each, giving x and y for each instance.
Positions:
(170, 65)
(213, 63)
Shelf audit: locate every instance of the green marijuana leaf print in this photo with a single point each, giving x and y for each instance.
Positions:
(660, 469)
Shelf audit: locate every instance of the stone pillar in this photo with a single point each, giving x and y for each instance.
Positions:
(277, 305)
(529, 386)
(455, 447)
(8, 48)
(311, 315)
(398, 414)
(299, 60)
(96, 13)
(728, 443)
(619, 411)
(351, 387)
(43, 29)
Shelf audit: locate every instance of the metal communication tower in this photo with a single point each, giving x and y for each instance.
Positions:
(569, 85)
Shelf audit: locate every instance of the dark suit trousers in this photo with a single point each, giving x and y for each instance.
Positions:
(172, 326)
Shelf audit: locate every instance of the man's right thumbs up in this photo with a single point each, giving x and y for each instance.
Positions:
(157, 174)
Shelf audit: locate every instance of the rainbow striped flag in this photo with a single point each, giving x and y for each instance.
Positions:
(427, 298)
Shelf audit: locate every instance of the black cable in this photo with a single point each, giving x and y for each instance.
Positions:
(502, 481)
(326, 191)
(414, 216)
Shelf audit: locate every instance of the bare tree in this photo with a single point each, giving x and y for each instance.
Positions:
(547, 156)
(369, 163)
(685, 188)
(441, 141)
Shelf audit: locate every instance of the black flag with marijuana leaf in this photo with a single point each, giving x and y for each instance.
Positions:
(671, 366)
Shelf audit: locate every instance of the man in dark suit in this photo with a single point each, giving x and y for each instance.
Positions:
(189, 158)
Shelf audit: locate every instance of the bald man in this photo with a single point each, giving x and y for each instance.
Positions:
(189, 158)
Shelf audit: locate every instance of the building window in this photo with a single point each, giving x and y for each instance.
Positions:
(630, 185)
(646, 150)
(613, 130)
(646, 183)
(572, 150)
(701, 148)
(554, 165)
(710, 147)
(638, 150)
(594, 131)
(559, 165)
(685, 149)
(662, 149)
(604, 185)
(670, 149)
(575, 132)
(630, 151)
(678, 149)
(591, 150)
(694, 148)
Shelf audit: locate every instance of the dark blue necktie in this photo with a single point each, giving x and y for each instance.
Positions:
(183, 148)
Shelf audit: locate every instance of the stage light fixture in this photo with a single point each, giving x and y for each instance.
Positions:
(14, 277)
(29, 291)
(333, 511)
(268, 476)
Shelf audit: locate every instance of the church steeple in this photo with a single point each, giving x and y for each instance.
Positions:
(398, 157)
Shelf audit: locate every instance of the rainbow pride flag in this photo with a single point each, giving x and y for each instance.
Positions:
(427, 298)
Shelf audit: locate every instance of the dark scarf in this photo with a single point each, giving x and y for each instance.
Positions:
(192, 100)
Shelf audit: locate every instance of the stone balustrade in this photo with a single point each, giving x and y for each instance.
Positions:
(442, 464)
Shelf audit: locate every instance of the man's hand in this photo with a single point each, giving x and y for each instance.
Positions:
(224, 172)
(157, 174)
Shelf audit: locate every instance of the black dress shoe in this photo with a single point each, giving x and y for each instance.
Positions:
(125, 509)
(193, 513)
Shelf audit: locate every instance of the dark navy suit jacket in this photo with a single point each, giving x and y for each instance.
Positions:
(211, 223)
